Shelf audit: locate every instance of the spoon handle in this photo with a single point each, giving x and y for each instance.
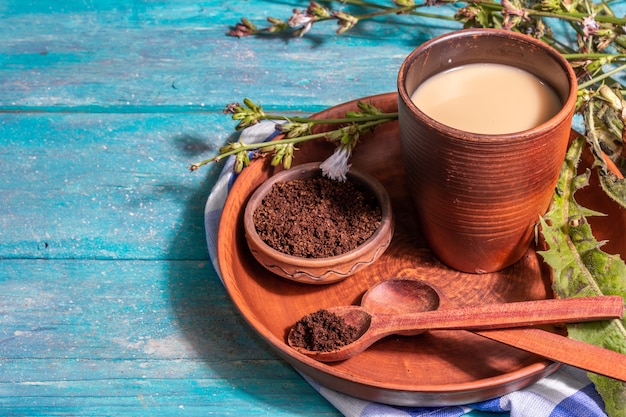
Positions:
(563, 349)
(518, 314)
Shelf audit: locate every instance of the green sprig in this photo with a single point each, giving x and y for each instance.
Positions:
(296, 130)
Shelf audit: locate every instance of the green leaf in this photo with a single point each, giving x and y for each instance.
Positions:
(614, 187)
(604, 126)
(581, 269)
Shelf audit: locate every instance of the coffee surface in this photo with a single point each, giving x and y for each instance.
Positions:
(487, 98)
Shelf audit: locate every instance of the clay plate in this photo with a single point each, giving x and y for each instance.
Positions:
(433, 369)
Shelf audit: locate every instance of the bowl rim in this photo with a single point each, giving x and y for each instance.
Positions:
(372, 243)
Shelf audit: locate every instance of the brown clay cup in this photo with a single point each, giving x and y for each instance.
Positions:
(479, 196)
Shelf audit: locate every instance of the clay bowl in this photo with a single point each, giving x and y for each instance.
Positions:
(319, 270)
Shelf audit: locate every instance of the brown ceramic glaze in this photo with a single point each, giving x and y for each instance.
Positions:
(319, 270)
(435, 368)
(479, 196)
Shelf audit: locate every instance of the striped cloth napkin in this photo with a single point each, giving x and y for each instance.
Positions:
(566, 393)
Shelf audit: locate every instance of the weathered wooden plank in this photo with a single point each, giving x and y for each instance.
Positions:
(246, 395)
(106, 187)
(152, 309)
(89, 337)
(108, 304)
(172, 56)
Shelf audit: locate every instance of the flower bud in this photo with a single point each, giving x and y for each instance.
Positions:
(404, 3)
(299, 129)
(368, 108)
(317, 10)
(232, 108)
(549, 5)
(239, 163)
(278, 155)
(247, 121)
(230, 147)
(248, 24)
(335, 135)
(278, 25)
(345, 21)
(609, 95)
(287, 161)
(242, 160)
(267, 149)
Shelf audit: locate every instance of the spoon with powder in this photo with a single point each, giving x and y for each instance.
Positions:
(408, 307)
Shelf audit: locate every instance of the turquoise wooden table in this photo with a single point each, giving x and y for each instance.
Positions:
(108, 303)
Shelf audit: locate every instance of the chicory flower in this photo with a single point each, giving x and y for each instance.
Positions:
(336, 166)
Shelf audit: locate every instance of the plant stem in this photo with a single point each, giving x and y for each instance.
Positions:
(370, 122)
(374, 117)
(575, 56)
(571, 16)
(393, 10)
(602, 77)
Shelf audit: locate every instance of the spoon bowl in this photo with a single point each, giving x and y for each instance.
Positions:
(549, 345)
(402, 296)
(410, 307)
(398, 296)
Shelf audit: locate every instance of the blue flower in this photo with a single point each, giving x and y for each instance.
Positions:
(336, 166)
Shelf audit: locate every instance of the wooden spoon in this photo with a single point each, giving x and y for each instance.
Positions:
(396, 292)
(409, 307)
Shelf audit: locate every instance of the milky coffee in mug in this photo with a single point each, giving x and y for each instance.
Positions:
(479, 193)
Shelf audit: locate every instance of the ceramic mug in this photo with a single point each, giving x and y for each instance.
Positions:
(479, 196)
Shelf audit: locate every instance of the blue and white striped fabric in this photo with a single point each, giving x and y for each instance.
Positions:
(566, 393)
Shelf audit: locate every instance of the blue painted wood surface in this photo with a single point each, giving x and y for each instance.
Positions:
(108, 303)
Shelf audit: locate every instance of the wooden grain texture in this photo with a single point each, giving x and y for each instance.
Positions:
(450, 362)
(108, 304)
(136, 338)
(173, 55)
(105, 186)
(374, 324)
(409, 376)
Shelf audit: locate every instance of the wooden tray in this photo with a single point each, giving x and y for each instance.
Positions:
(433, 369)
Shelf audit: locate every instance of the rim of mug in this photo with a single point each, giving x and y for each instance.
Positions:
(564, 113)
